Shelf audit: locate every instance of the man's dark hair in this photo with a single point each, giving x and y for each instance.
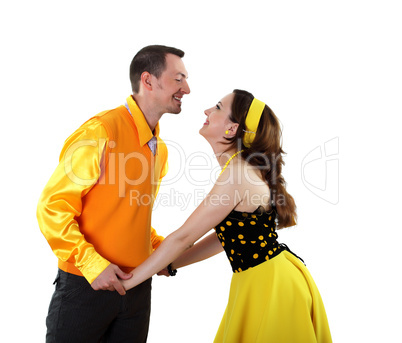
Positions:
(152, 59)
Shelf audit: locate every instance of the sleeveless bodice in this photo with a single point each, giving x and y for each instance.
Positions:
(249, 238)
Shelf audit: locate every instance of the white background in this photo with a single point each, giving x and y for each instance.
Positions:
(331, 71)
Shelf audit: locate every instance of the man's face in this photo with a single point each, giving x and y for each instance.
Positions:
(171, 86)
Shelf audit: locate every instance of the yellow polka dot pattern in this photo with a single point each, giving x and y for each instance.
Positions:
(248, 238)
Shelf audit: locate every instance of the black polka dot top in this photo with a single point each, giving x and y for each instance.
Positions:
(249, 238)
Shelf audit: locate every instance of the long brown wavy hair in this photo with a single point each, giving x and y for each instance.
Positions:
(265, 153)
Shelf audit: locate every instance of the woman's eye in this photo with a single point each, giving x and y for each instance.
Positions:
(217, 107)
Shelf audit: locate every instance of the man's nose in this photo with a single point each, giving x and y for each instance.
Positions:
(185, 89)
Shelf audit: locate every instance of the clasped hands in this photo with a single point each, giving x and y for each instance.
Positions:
(109, 279)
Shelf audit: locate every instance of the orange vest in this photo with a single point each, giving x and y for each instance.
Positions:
(116, 212)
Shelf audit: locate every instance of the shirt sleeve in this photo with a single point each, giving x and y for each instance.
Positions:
(156, 240)
(61, 200)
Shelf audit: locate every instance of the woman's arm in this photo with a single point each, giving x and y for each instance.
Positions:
(206, 248)
(223, 197)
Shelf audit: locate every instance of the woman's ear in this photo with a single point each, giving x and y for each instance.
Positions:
(233, 129)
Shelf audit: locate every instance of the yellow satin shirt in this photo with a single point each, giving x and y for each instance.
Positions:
(86, 211)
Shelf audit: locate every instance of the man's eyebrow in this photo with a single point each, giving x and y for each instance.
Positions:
(183, 75)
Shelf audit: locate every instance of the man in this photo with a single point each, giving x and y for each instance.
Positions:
(95, 211)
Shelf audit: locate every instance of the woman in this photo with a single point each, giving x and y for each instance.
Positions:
(272, 296)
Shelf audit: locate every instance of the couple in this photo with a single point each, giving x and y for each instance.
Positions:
(99, 236)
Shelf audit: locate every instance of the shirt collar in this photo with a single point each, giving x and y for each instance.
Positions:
(144, 132)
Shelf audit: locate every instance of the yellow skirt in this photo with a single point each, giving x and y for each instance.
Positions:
(276, 301)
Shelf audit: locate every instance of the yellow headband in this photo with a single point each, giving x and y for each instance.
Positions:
(252, 121)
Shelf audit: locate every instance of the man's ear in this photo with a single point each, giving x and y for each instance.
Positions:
(146, 80)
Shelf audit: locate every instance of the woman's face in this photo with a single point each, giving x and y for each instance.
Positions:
(217, 121)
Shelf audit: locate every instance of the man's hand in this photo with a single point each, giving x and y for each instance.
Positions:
(109, 280)
(163, 272)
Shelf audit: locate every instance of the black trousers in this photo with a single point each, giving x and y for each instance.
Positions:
(77, 313)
